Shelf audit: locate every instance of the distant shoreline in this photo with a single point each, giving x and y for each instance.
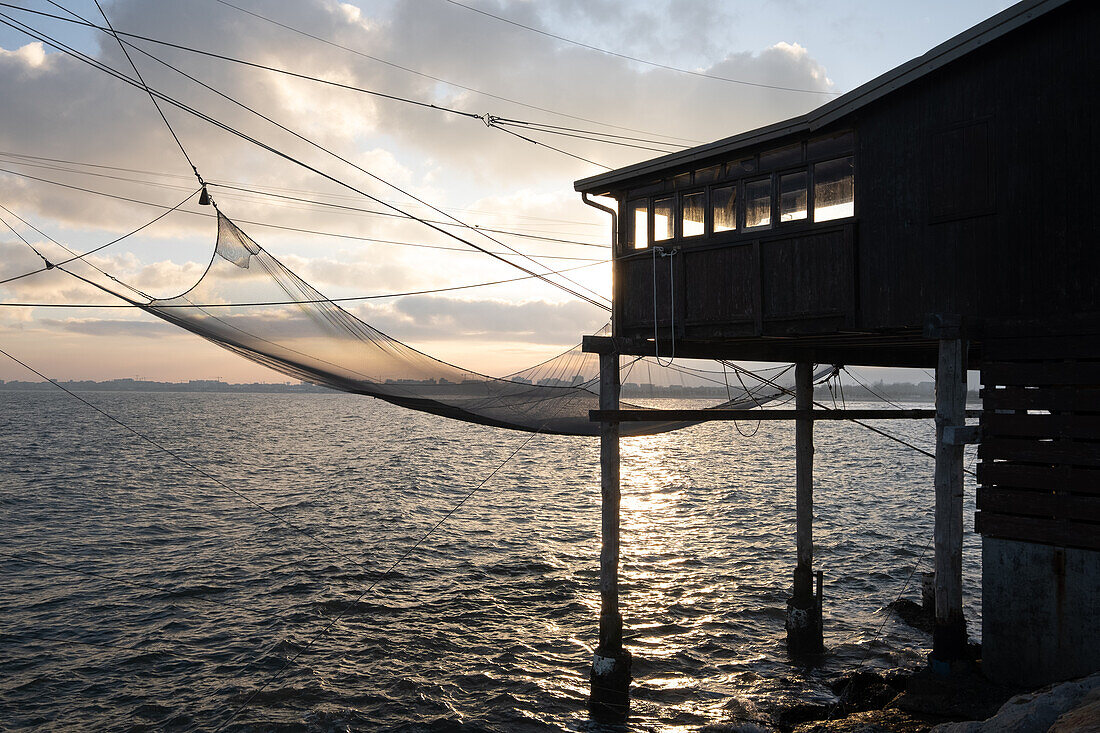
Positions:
(924, 391)
(141, 385)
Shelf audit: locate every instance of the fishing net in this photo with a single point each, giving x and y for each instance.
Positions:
(307, 336)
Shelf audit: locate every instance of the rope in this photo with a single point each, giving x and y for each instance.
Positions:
(375, 177)
(671, 305)
(299, 229)
(47, 265)
(152, 99)
(50, 266)
(89, 264)
(490, 122)
(593, 137)
(324, 630)
(634, 58)
(205, 474)
(885, 618)
(290, 159)
(53, 43)
(271, 192)
(352, 298)
(593, 134)
(443, 81)
(894, 437)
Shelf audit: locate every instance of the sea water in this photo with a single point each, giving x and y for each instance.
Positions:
(331, 562)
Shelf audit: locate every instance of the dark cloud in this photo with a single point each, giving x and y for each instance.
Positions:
(111, 327)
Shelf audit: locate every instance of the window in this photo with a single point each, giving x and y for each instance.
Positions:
(736, 170)
(834, 189)
(781, 157)
(692, 211)
(793, 196)
(723, 202)
(828, 146)
(664, 219)
(706, 175)
(758, 203)
(639, 217)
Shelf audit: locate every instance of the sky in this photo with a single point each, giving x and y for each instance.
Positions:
(106, 137)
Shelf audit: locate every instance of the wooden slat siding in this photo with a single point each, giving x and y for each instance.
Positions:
(1041, 373)
(1040, 471)
(1031, 450)
(1040, 504)
(1061, 399)
(636, 275)
(1042, 426)
(726, 276)
(1086, 345)
(1057, 478)
(1034, 529)
(807, 275)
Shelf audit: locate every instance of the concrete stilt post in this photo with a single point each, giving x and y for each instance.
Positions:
(610, 678)
(804, 633)
(949, 631)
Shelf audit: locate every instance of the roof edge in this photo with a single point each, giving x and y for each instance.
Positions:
(969, 40)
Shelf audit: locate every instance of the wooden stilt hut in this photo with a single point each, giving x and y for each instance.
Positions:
(940, 216)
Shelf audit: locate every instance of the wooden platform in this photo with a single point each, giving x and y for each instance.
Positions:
(1040, 450)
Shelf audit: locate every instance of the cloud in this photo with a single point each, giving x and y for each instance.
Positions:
(29, 57)
(70, 111)
(436, 318)
(111, 327)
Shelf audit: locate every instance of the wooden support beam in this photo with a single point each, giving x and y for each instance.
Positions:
(804, 634)
(756, 414)
(962, 434)
(610, 678)
(804, 480)
(611, 634)
(949, 633)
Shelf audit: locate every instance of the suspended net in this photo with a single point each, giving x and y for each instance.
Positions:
(311, 338)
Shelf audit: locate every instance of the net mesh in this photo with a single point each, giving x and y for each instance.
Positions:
(311, 338)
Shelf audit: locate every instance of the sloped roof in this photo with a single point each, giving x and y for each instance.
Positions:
(962, 44)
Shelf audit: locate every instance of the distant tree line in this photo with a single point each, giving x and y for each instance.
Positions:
(922, 391)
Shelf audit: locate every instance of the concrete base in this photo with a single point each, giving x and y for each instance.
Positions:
(804, 633)
(609, 694)
(949, 641)
(1040, 610)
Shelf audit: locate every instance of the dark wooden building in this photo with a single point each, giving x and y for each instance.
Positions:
(962, 182)
(951, 199)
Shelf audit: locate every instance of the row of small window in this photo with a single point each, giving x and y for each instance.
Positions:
(785, 196)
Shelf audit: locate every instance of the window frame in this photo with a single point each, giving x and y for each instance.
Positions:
(705, 192)
(739, 172)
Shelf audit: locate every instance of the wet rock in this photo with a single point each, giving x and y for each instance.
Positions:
(1085, 718)
(736, 728)
(913, 614)
(956, 697)
(865, 690)
(872, 721)
(792, 715)
(1035, 712)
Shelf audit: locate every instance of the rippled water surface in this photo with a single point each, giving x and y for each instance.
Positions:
(136, 593)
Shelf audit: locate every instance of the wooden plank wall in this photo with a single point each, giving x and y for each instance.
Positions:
(1039, 470)
(989, 164)
(797, 281)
